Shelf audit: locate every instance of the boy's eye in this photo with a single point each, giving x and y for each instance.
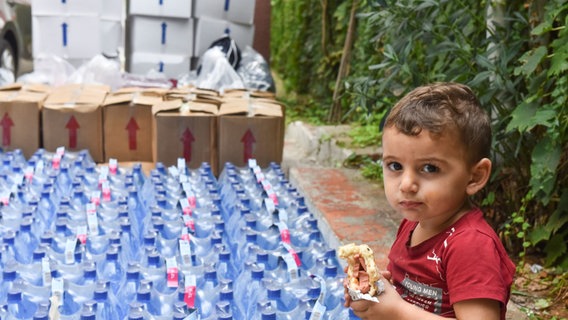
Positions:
(429, 168)
(394, 166)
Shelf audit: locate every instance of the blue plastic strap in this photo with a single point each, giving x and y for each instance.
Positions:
(227, 2)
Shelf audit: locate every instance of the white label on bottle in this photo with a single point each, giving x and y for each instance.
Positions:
(291, 266)
(5, 197)
(113, 166)
(172, 272)
(174, 172)
(92, 221)
(185, 208)
(318, 311)
(188, 222)
(29, 173)
(252, 163)
(82, 233)
(39, 166)
(57, 287)
(45, 271)
(190, 290)
(70, 250)
(269, 205)
(181, 164)
(106, 191)
(183, 178)
(96, 197)
(60, 151)
(185, 252)
(283, 216)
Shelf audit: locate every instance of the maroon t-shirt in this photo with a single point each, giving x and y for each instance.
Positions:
(467, 261)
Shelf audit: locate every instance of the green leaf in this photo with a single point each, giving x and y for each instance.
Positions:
(539, 234)
(544, 161)
(559, 61)
(555, 248)
(545, 26)
(521, 116)
(531, 60)
(542, 303)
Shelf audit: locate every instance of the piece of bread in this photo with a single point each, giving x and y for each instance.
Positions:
(360, 258)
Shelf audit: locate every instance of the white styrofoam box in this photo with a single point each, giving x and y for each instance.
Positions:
(240, 11)
(109, 9)
(112, 36)
(209, 30)
(171, 65)
(161, 35)
(75, 36)
(67, 37)
(161, 8)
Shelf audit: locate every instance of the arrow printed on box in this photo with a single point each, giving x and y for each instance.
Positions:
(187, 139)
(248, 141)
(132, 127)
(72, 125)
(6, 124)
(64, 33)
(164, 27)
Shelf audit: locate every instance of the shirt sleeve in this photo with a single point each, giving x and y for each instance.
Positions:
(475, 268)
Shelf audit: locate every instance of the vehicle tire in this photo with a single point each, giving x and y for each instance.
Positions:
(8, 57)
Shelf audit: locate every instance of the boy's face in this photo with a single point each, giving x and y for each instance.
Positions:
(425, 176)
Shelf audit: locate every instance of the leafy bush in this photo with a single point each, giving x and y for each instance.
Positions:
(514, 54)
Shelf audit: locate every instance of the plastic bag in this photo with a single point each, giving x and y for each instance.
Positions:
(49, 69)
(255, 72)
(99, 70)
(217, 73)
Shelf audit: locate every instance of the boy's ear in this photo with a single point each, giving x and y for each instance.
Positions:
(480, 174)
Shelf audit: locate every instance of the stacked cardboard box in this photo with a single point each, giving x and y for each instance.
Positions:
(20, 112)
(127, 122)
(161, 37)
(72, 117)
(144, 125)
(218, 17)
(186, 128)
(250, 128)
(77, 30)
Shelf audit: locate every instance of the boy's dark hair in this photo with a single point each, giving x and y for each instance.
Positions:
(439, 107)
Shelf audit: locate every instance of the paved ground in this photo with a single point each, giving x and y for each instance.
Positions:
(349, 208)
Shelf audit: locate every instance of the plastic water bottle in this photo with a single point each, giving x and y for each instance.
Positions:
(128, 289)
(18, 306)
(106, 309)
(286, 304)
(110, 268)
(248, 289)
(83, 288)
(130, 242)
(208, 293)
(26, 242)
(225, 266)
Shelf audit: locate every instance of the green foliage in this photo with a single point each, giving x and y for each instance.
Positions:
(513, 55)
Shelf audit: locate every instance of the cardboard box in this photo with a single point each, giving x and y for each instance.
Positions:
(169, 8)
(208, 30)
(20, 112)
(161, 35)
(171, 65)
(72, 118)
(240, 11)
(185, 130)
(127, 124)
(250, 129)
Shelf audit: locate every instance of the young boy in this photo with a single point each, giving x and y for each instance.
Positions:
(446, 260)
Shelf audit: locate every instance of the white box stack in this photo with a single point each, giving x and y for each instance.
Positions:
(77, 30)
(217, 17)
(161, 34)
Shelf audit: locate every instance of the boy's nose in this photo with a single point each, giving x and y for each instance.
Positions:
(408, 183)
